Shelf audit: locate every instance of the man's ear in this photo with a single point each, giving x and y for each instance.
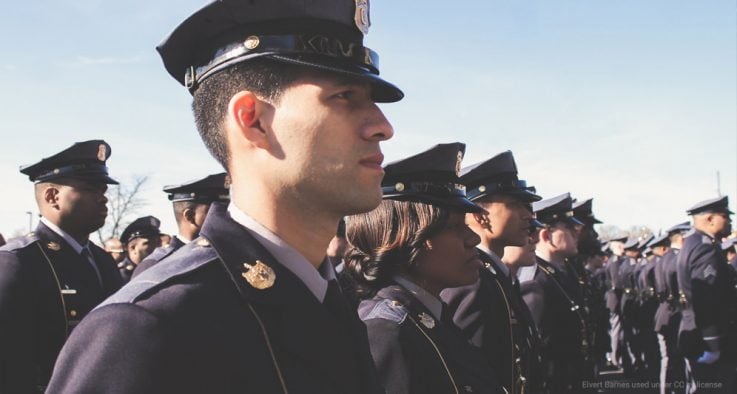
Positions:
(482, 218)
(246, 113)
(544, 234)
(189, 215)
(50, 195)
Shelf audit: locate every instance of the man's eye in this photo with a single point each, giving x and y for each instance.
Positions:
(345, 95)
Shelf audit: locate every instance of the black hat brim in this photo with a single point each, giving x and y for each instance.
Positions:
(382, 90)
(523, 195)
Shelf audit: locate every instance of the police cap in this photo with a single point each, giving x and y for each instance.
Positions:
(430, 177)
(583, 211)
(325, 35)
(497, 175)
(143, 227)
(203, 191)
(661, 240)
(557, 209)
(679, 228)
(716, 205)
(83, 160)
(632, 244)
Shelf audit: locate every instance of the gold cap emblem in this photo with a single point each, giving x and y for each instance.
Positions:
(399, 187)
(426, 320)
(101, 152)
(459, 159)
(259, 275)
(363, 21)
(53, 246)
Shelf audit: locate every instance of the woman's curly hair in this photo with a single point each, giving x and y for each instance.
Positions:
(387, 241)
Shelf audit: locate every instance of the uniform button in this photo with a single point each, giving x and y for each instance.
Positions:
(73, 313)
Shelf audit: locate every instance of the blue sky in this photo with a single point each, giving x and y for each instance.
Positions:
(631, 102)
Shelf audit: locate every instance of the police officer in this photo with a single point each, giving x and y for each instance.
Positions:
(614, 300)
(191, 202)
(547, 289)
(632, 363)
(51, 278)
(707, 293)
(668, 315)
(491, 313)
(402, 255)
(141, 237)
(285, 99)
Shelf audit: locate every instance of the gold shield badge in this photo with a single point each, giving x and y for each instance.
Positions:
(259, 275)
(363, 21)
(101, 152)
(427, 320)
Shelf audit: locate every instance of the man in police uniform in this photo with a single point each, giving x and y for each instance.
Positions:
(491, 313)
(547, 290)
(51, 278)
(141, 237)
(115, 248)
(285, 98)
(191, 202)
(614, 300)
(707, 292)
(668, 315)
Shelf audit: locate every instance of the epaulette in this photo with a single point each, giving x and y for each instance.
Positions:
(388, 310)
(185, 260)
(19, 242)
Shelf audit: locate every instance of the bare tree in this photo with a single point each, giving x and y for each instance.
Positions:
(123, 202)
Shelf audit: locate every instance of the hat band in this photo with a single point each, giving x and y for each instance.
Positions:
(501, 187)
(296, 44)
(203, 197)
(142, 234)
(450, 189)
(73, 170)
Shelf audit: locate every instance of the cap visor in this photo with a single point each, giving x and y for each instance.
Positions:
(382, 91)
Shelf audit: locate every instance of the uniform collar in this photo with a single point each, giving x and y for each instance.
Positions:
(315, 280)
(68, 238)
(434, 305)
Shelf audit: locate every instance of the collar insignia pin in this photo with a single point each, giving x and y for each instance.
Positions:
(426, 320)
(53, 246)
(259, 275)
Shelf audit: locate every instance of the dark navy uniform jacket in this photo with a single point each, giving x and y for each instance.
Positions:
(627, 281)
(559, 319)
(416, 353)
(195, 325)
(668, 314)
(126, 268)
(614, 293)
(709, 292)
(158, 254)
(495, 307)
(39, 305)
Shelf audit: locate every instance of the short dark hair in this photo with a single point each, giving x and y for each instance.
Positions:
(266, 78)
(180, 207)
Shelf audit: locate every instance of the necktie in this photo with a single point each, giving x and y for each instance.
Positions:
(88, 256)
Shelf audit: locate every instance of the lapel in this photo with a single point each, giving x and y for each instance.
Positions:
(298, 325)
(449, 340)
(68, 265)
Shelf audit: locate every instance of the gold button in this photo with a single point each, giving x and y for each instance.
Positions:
(73, 313)
(399, 187)
(251, 42)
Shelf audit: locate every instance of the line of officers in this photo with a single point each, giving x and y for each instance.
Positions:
(546, 307)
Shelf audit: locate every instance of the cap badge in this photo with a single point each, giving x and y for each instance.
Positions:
(363, 21)
(53, 246)
(399, 187)
(482, 188)
(259, 275)
(426, 320)
(101, 152)
(459, 159)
